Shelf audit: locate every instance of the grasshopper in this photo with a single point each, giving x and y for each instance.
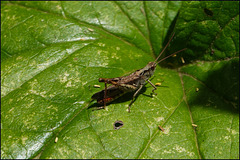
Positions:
(133, 82)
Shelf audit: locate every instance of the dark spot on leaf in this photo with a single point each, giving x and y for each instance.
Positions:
(208, 12)
(117, 124)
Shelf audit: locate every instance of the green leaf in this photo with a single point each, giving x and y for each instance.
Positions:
(54, 52)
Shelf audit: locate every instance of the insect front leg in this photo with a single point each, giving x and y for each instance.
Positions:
(134, 97)
(154, 87)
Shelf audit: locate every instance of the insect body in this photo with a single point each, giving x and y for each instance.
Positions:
(122, 85)
(130, 83)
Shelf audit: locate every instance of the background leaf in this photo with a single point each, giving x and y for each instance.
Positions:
(54, 52)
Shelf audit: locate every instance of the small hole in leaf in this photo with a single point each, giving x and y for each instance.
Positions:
(208, 12)
(117, 124)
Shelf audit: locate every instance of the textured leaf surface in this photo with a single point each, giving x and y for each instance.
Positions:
(52, 53)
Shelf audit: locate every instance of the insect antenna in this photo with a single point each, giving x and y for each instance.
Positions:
(164, 48)
(171, 55)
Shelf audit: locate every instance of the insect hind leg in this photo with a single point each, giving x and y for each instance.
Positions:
(105, 95)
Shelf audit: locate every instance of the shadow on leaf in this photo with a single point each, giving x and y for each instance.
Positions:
(220, 89)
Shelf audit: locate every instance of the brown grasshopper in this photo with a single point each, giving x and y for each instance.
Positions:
(130, 83)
